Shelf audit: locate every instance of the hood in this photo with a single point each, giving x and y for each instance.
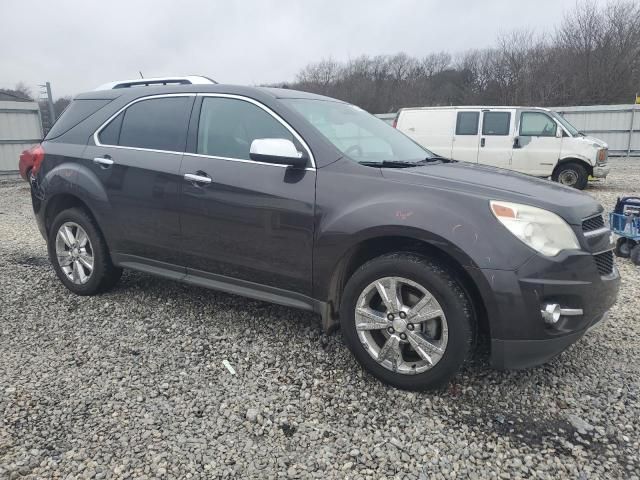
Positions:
(491, 183)
(596, 142)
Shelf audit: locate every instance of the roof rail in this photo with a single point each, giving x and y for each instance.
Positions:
(147, 82)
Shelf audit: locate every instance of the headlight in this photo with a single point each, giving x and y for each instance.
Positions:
(540, 229)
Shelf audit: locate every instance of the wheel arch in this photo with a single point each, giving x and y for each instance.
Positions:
(574, 159)
(373, 247)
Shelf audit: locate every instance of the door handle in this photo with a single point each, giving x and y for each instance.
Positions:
(516, 142)
(195, 178)
(482, 142)
(103, 162)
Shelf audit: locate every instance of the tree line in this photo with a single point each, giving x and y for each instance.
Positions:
(592, 57)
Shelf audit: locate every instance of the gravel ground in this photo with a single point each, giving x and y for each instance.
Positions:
(131, 384)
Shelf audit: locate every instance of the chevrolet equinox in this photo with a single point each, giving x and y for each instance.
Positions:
(313, 203)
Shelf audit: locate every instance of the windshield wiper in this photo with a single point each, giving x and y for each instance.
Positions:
(390, 164)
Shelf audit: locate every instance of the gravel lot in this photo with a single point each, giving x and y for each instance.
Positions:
(131, 384)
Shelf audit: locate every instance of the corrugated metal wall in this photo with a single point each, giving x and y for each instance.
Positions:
(618, 125)
(20, 128)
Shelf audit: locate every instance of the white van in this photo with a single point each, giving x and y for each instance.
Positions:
(536, 141)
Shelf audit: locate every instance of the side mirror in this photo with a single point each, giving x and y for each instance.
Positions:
(558, 131)
(277, 150)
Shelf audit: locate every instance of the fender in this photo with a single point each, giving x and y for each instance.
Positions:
(474, 240)
(77, 180)
(574, 157)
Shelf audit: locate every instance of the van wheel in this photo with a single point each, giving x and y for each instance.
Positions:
(407, 321)
(79, 253)
(571, 174)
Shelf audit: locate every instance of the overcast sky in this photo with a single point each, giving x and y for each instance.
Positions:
(78, 45)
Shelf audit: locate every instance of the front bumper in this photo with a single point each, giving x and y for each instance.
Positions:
(518, 354)
(520, 337)
(601, 171)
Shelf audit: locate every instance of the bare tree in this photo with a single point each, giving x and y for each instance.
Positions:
(592, 57)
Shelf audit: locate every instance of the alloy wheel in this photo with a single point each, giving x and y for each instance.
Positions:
(74, 252)
(401, 325)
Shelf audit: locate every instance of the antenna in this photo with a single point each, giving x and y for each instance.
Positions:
(141, 76)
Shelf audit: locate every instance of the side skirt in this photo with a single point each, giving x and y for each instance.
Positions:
(220, 282)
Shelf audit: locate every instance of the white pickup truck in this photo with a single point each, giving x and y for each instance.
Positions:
(531, 140)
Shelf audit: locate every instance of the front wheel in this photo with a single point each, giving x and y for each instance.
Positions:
(571, 174)
(407, 321)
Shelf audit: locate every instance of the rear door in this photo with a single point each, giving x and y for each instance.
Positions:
(466, 140)
(431, 128)
(497, 137)
(242, 219)
(136, 156)
(538, 147)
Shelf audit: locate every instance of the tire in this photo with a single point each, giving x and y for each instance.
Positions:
(409, 370)
(571, 174)
(623, 247)
(63, 248)
(635, 255)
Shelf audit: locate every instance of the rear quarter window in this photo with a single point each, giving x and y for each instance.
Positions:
(76, 112)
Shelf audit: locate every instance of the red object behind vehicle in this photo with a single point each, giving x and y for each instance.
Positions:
(395, 122)
(30, 161)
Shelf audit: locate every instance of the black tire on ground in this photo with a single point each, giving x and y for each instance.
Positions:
(571, 174)
(635, 255)
(104, 275)
(623, 247)
(449, 293)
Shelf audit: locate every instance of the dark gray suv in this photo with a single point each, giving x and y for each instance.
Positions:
(310, 202)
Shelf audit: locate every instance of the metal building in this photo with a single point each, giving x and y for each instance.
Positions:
(20, 128)
(618, 125)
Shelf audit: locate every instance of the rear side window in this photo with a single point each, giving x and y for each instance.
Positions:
(537, 124)
(467, 123)
(155, 123)
(228, 126)
(76, 112)
(496, 123)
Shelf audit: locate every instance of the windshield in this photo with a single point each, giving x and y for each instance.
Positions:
(359, 135)
(573, 131)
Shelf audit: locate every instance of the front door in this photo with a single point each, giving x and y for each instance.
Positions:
(496, 139)
(538, 145)
(242, 219)
(137, 159)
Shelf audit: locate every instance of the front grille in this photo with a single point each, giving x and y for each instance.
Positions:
(604, 261)
(593, 223)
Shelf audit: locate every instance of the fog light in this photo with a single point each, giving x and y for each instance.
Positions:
(551, 313)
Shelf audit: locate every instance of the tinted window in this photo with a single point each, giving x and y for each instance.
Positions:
(158, 123)
(76, 112)
(496, 123)
(228, 126)
(537, 124)
(110, 135)
(467, 123)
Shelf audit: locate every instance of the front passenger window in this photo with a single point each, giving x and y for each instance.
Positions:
(537, 124)
(228, 126)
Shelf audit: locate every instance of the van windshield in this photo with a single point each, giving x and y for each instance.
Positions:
(359, 135)
(573, 131)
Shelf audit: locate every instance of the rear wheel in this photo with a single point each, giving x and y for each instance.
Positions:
(407, 321)
(571, 174)
(79, 253)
